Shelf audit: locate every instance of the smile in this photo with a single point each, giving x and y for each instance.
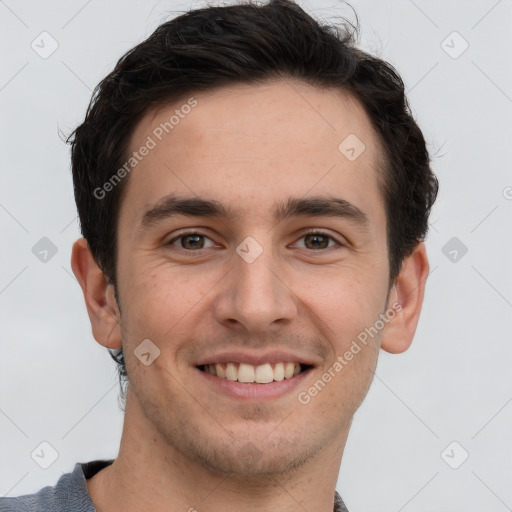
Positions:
(248, 373)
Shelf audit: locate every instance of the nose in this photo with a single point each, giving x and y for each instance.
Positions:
(255, 296)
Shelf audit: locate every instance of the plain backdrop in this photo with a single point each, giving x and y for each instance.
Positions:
(447, 398)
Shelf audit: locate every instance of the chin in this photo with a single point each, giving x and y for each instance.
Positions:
(256, 452)
(248, 460)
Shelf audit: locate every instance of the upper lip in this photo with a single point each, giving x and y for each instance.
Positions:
(256, 359)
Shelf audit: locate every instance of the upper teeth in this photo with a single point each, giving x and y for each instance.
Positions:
(262, 374)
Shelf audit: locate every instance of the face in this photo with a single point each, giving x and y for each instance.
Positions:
(281, 270)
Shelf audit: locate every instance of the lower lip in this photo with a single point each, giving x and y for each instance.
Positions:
(254, 390)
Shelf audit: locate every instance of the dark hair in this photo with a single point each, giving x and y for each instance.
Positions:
(207, 48)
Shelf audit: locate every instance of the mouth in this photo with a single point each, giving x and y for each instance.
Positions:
(249, 382)
(265, 373)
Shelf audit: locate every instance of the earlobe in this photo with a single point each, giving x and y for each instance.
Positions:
(98, 294)
(408, 292)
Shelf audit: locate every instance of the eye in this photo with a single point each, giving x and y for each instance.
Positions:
(318, 240)
(194, 241)
(190, 241)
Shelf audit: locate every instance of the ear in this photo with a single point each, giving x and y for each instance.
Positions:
(99, 296)
(407, 293)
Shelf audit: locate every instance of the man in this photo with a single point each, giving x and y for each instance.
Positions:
(254, 195)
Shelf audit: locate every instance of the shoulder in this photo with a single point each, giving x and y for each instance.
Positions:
(339, 506)
(45, 499)
(69, 494)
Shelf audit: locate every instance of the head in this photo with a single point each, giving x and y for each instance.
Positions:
(250, 121)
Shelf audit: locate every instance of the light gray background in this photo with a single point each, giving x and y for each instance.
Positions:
(454, 384)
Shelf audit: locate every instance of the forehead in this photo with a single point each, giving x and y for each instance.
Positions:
(246, 145)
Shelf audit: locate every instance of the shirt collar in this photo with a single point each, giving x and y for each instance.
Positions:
(86, 470)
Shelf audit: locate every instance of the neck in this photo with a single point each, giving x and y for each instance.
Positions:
(149, 474)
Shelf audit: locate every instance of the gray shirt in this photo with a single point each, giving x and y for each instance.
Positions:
(70, 493)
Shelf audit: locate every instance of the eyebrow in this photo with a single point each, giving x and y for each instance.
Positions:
(313, 206)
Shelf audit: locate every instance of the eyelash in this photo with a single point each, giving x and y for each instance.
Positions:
(312, 232)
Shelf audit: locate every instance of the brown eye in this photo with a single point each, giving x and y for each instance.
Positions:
(191, 241)
(316, 241)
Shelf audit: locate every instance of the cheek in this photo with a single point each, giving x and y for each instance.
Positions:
(160, 299)
(350, 313)
(347, 308)
(346, 300)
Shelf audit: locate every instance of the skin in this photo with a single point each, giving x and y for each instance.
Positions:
(248, 147)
